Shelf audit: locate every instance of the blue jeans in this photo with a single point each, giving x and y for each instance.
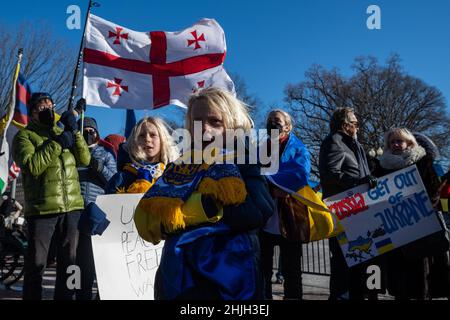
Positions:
(40, 232)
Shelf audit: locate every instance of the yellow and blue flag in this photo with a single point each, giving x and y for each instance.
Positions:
(293, 178)
(384, 246)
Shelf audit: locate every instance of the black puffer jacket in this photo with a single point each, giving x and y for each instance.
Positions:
(342, 164)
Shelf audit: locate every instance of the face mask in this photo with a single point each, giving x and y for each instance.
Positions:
(47, 117)
(275, 126)
(90, 137)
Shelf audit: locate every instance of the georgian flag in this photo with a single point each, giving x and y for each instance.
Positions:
(145, 70)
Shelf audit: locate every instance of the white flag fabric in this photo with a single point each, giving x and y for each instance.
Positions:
(146, 70)
(5, 161)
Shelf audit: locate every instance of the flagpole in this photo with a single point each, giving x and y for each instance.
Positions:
(80, 57)
(13, 189)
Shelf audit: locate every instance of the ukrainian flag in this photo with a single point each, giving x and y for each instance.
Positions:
(384, 246)
(293, 178)
(342, 238)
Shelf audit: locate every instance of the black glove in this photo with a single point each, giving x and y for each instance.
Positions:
(81, 106)
(96, 165)
(371, 180)
(66, 139)
(209, 206)
(7, 207)
(69, 121)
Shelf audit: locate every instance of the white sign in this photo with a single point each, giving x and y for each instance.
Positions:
(396, 212)
(125, 264)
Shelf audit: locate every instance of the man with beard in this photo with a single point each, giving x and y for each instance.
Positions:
(342, 166)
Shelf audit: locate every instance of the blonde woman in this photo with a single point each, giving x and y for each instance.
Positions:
(408, 268)
(150, 149)
(209, 213)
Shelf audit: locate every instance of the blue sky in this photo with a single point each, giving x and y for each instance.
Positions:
(273, 42)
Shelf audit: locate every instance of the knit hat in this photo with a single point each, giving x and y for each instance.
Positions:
(38, 96)
(88, 122)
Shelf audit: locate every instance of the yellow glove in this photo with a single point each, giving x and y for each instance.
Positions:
(194, 211)
(148, 226)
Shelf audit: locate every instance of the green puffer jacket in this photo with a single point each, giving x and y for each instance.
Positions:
(50, 176)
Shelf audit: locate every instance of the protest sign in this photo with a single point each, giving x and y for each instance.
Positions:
(125, 264)
(396, 212)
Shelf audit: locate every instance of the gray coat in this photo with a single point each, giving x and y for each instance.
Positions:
(342, 164)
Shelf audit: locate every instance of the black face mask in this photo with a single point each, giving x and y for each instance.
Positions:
(47, 117)
(275, 126)
(90, 137)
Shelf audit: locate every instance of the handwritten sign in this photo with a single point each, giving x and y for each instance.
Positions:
(396, 212)
(125, 264)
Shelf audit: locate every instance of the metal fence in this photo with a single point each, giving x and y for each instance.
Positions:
(315, 259)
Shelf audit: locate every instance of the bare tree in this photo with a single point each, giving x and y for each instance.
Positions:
(258, 110)
(242, 93)
(383, 96)
(48, 63)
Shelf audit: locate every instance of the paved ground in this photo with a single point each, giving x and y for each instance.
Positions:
(315, 259)
(314, 288)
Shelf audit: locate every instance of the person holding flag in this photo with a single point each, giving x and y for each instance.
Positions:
(48, 157)
(300, 214)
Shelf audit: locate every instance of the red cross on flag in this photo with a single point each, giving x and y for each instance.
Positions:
(145, 70)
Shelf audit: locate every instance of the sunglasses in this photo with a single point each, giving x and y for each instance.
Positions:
(354, 123)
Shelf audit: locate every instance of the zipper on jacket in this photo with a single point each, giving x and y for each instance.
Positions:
(63, 172)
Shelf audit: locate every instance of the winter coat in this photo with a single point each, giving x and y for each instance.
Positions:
(342, 164)
(410, 276)
(242, 248)
(93, 182)
(50, 176)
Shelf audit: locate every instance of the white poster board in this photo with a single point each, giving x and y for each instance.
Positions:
(396, 212)
(125, 264)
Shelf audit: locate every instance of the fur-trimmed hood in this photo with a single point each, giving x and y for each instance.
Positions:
(428, 144)
(392, 161)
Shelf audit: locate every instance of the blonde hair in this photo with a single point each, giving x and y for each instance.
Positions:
(287, 117)
(168, 152)
(235, 113)
(401, 133)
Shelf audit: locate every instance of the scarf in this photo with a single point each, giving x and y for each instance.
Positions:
(146, 176)
(166, 202)
(408, 157)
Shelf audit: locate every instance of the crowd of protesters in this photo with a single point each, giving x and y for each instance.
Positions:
(225, 218)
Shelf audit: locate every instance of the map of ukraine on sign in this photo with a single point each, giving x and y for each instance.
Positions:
(396, 212)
